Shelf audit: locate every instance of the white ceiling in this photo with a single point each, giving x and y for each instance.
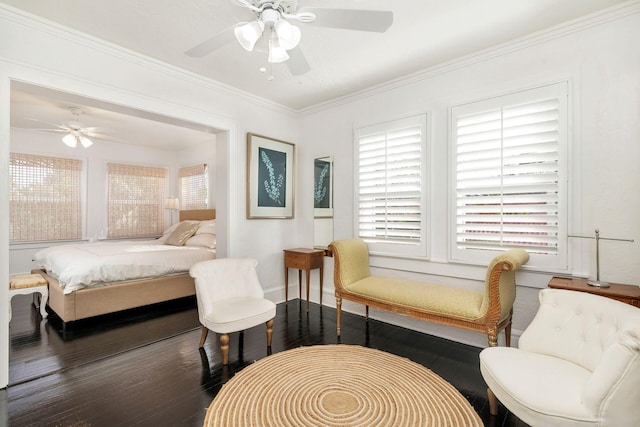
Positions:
(424, 33)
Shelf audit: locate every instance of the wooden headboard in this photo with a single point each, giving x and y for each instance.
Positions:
(198, 214)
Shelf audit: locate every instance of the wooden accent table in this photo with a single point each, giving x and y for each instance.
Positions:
(302, 259)
(629, 294)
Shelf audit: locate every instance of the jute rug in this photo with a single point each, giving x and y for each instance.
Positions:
(338, 385)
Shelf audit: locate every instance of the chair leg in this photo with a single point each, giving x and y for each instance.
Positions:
(493, 402)
(224, 348)
(269, 332)
(507, 335)
(203, 337)
(366, 313)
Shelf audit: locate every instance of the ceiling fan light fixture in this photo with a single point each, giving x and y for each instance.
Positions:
(70, 140)
(86, 142)
(248, 34)
(288, 35)
(276, 52)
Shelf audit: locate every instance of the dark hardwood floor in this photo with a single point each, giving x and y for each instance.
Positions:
(144, 368)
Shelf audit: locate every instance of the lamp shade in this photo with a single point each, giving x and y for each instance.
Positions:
(70, 140)
(249, 33)
(172, 203)
(288, 35)
(276, 52)
(86, 142)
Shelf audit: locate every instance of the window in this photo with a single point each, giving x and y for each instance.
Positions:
(135, 197)
(509, 163)
(194, 186)
(44, 198)
(391, 159)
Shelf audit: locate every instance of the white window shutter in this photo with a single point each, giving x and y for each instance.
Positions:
(508, 176)
(390, 181)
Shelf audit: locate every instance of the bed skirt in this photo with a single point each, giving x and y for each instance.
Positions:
(92, 302)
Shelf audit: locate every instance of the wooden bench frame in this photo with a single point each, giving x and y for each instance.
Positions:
(490, 323)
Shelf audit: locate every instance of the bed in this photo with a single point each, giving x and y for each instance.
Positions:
(96, 299)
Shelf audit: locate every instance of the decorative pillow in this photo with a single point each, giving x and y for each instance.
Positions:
(207, 227)
(182, 232)
(205, 240)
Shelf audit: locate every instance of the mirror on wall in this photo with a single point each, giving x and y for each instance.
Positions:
(322, 201)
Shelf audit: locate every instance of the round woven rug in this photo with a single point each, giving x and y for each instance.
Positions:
(338, 385)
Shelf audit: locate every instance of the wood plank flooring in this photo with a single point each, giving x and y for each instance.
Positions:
(144, 368)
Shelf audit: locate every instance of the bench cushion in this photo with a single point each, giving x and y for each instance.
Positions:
(457, 302)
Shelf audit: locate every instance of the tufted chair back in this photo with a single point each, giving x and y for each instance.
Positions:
(602, 336)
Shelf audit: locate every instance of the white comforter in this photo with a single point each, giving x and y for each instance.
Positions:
(78, 266)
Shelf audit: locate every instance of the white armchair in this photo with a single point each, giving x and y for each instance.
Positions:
(230, 299)
(578, 364)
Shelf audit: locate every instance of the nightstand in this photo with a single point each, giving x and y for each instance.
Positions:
(302, 259)
(629, 294)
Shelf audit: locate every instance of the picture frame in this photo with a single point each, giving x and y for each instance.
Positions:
(323, 187)
(270, 177)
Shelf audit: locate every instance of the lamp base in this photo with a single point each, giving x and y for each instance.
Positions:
(598, 283)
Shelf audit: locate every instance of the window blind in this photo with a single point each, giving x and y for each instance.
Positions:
(44, 198)
(194, 186)
(390, 182)
(507, 177)
(135, 200)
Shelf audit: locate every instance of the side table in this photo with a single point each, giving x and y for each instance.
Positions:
(302, 259)
(629, 294)
(26, 284)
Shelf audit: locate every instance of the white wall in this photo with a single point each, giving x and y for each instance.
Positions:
(601, 64)
(31, 52)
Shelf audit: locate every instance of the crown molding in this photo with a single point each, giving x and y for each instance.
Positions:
(579, 24)
(60, 31)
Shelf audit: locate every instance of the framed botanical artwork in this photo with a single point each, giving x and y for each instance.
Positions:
(323, 187)
(270, 177)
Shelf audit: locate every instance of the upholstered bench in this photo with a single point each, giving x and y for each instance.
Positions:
(488, 310)
(26, 284)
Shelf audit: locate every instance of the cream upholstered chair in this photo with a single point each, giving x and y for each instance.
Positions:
(578, 364)
(230, 299)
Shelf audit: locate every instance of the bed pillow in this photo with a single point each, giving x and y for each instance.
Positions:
(181, 234)
(205, 240)
(207, 227)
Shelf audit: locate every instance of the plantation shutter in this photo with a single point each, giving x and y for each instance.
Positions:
(390, 162)
(507, 177)
(44, 198)
(135, 196)
(194, 185)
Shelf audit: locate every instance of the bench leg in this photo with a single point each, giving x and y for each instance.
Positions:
(338, 313)
(493, 337)
(44, 296)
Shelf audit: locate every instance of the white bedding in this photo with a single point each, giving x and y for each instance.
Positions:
(78, 266)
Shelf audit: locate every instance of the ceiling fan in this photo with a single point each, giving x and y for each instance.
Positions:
(76, 132)
(272, 21)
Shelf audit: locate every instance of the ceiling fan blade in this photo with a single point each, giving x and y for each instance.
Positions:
(377, 21)
(212, 44)
(57, 125)
(297, 62)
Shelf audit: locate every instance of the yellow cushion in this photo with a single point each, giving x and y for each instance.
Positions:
(26, 281)
(447, 300)
(353, 256)
(517, 257)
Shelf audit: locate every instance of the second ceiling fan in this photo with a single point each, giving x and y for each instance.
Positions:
(283, 38)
